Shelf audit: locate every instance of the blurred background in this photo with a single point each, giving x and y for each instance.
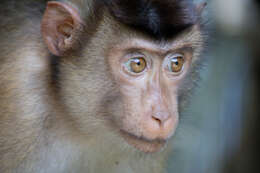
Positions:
(220, 131)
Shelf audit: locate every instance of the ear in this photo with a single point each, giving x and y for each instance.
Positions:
(200, 7)
(61, 24)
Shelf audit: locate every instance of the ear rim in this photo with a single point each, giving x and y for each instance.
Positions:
(55, 43)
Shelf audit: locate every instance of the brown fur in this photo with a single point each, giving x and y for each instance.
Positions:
(63, 122)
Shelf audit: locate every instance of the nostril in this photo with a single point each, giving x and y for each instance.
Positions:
(160, 117)
(157, 120)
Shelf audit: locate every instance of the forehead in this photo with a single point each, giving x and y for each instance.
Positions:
(131, 40)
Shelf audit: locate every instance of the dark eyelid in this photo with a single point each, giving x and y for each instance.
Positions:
(134, 54)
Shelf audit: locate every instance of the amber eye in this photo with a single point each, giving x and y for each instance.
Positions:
(176, 63)
(136, 65)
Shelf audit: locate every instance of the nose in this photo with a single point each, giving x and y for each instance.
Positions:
(160, 117)
(160, 124)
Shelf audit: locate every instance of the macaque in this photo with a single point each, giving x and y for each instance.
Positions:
(94, 85)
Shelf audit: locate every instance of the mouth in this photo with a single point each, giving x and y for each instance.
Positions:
(143, 144)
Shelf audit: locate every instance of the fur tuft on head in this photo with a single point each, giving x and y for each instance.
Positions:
(161, 19)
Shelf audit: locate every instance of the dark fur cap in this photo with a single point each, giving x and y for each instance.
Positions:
(161, 19)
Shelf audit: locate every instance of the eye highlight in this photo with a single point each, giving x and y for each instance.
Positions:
(136, 65)
(176, 63)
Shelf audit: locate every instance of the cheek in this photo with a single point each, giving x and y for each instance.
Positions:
(133, 109)
(172, 100)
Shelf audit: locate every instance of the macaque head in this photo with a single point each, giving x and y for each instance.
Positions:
(124, 65)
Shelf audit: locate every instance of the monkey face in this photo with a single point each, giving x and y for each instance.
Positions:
(148, 76)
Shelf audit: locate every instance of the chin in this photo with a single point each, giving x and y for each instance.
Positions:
(142, 144)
